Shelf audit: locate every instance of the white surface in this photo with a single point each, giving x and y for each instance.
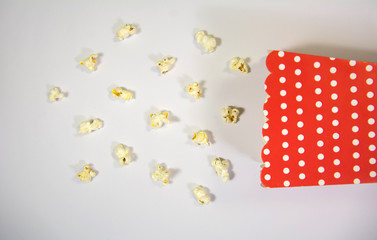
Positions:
(41, 44)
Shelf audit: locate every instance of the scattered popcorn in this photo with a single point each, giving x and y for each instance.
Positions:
(230, 115)
(87, 174)
(208, 42)
(126, 31)
(165, 65)
(55, 94)
(201, 195)
(90, 62)
(238, 64)
(221, 167)
(123, 154)
(120, 92)
(158, 119)
(193, 90)
(161, 174)
(200, 138)
(90, 125)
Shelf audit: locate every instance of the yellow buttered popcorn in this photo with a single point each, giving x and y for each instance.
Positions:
(208, 42)
(161, 174)
(158, 119)
(55, 94)
(87, 174)
(165, 65)
(90, 63)
(202, 195)
(230, 115)
(221, 168)
(200, 138)
(90, 125)
(238, 64)
(120, 92)
(193, 90)
(126, 31)
(123, 154)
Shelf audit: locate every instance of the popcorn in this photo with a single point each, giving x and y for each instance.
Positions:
(87, 174)
(90, 125)
(201, 194)
(238, 64)
(126, 31)
(123, 154)
(120, 92)
(165, 65)
(161, 174)
(158, 119)
(208, 42)
(193, 90)
(200, 138)
(55, 94)
(230, 115)
(221, 167)
(90, 62)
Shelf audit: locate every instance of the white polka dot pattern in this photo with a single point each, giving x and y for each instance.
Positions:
(323, 130)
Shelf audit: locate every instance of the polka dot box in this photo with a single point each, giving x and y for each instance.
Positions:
(321, 121)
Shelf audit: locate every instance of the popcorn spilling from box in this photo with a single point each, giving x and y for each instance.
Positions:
(321, 121)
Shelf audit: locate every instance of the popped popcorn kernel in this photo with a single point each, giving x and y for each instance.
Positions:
(208, 42)
(90, 63)
(158, 119)
(193, 90)
(86, 174)
(126, 31)
(120, 92)
(55, 94)
(202, 195)
(161, 174)
(200, 138)
(165, 65)
(238, 64)
(90, 125)
(123, 154)
(230, 115)
(221, 168)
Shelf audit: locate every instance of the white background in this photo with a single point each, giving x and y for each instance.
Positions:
(40, 46)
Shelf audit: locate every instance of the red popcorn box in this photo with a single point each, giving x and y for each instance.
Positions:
(321, 121)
